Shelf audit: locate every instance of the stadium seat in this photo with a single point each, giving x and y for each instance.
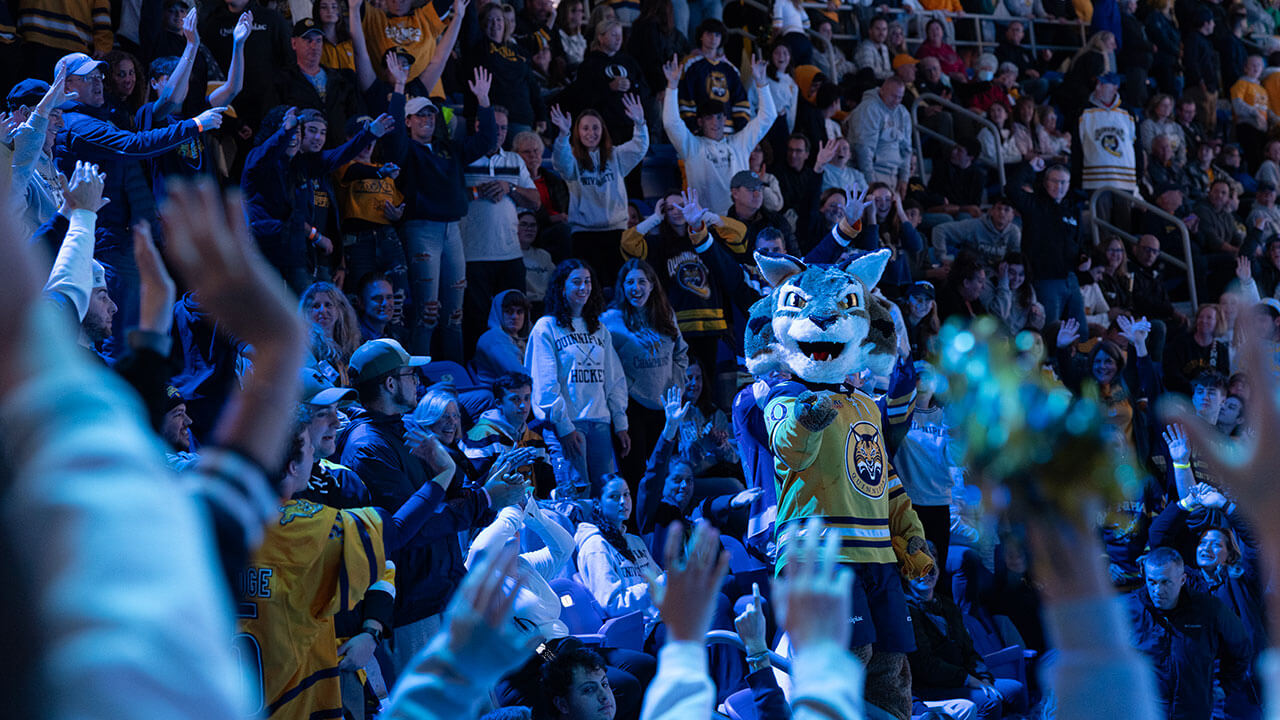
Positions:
(586, 621)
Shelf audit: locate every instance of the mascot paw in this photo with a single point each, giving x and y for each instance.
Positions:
(915, 545)
(815, 412)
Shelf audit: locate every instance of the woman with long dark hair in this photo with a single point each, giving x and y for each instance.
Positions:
(596, 170)
(125, 86)
(578, 382)
(338, 52)
(653, 354)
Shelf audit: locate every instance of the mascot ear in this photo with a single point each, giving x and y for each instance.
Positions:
(777, 268)
(868, 268)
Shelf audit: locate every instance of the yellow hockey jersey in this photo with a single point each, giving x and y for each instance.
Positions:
(315, 562)
(840, 474)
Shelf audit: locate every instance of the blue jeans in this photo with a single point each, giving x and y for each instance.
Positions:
(437, 271)
(598, 460)
(1061, 299)
(377, 250)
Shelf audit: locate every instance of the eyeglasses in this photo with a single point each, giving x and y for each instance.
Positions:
(91, 77)
(410, 374)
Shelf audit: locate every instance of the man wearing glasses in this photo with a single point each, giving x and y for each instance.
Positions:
(373, 446)
(1150, 296)
(90, 135)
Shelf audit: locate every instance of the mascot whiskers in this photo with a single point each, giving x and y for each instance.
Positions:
(820, 325)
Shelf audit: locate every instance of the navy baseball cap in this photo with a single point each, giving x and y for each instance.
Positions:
(1111, 78)
(27, 92)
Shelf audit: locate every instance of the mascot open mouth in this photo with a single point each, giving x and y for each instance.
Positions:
(821, 351)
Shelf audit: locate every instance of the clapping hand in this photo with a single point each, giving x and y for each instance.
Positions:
(84, 190)
(1135, 331)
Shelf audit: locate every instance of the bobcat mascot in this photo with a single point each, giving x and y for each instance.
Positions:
(821, 324)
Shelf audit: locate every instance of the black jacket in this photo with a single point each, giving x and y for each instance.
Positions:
(342, 99)
(1183, 644)
(265, 51)
(372, 445)
(1136, 50)
(1201, 63)
(944, 656)
(1050, 229)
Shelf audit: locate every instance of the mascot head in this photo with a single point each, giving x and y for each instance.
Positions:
(821, 323)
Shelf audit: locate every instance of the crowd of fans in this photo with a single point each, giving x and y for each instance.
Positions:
(513, 389)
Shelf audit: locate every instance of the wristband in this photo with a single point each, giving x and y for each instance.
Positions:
(1182, 466)
(199, 125)
(313, 234)
(372, 632)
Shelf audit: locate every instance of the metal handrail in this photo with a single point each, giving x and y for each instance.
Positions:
(977, 19)
(730, 638)
(976, 117)
(1132, 240)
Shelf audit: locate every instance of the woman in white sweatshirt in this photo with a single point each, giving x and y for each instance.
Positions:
(578, 383)
(596, 173)
(614, 564)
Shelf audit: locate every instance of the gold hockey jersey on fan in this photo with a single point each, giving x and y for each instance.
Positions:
(840, 474)
(315, 562)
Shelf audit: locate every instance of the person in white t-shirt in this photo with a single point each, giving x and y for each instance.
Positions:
(498, 184)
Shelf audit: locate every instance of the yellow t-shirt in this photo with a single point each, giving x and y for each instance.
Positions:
(1252, 94)
(415, 32)
(338, 57)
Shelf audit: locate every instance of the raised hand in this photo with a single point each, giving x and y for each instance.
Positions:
(157, 290)
(674, 406)
(1135, 331)
(814, 598)
(562, 120)
(479, 85)
(750, 624)
(688, 598)
(243, 28)
(56, 96)
(291, 118)
(1210, 496)
(212, 249)
(689, 207)
(745, 498)
(671, 69)
(398, 73)
(84, 191)
(477, 628)
(382, 125)
(1244, 269)
(190, 31)
(1068, 332)
(826, 153)
(759, 69)
(1175, 438)
(634, 108)
(856, 205)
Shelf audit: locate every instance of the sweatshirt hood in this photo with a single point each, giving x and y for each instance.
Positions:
(495, 313)
(493, 417)
(804, 75)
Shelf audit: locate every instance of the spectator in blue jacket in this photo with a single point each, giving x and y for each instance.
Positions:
(431, 178)
(289, 197)
(88, 134)
(372, 445)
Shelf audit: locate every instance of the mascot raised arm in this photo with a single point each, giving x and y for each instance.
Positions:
(820, 325)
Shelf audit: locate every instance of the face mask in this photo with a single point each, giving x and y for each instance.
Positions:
(986, 75)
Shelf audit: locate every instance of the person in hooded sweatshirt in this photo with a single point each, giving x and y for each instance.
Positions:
(578, 384)
(989, 237)
(501, 348)
(596, 172)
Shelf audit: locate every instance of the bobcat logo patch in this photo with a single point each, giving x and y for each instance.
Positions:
(864, 459)
(298, 509)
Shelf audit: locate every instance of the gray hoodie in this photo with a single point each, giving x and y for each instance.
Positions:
(497, 353)
(881, 139)
(978, 236)
(652, 362)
